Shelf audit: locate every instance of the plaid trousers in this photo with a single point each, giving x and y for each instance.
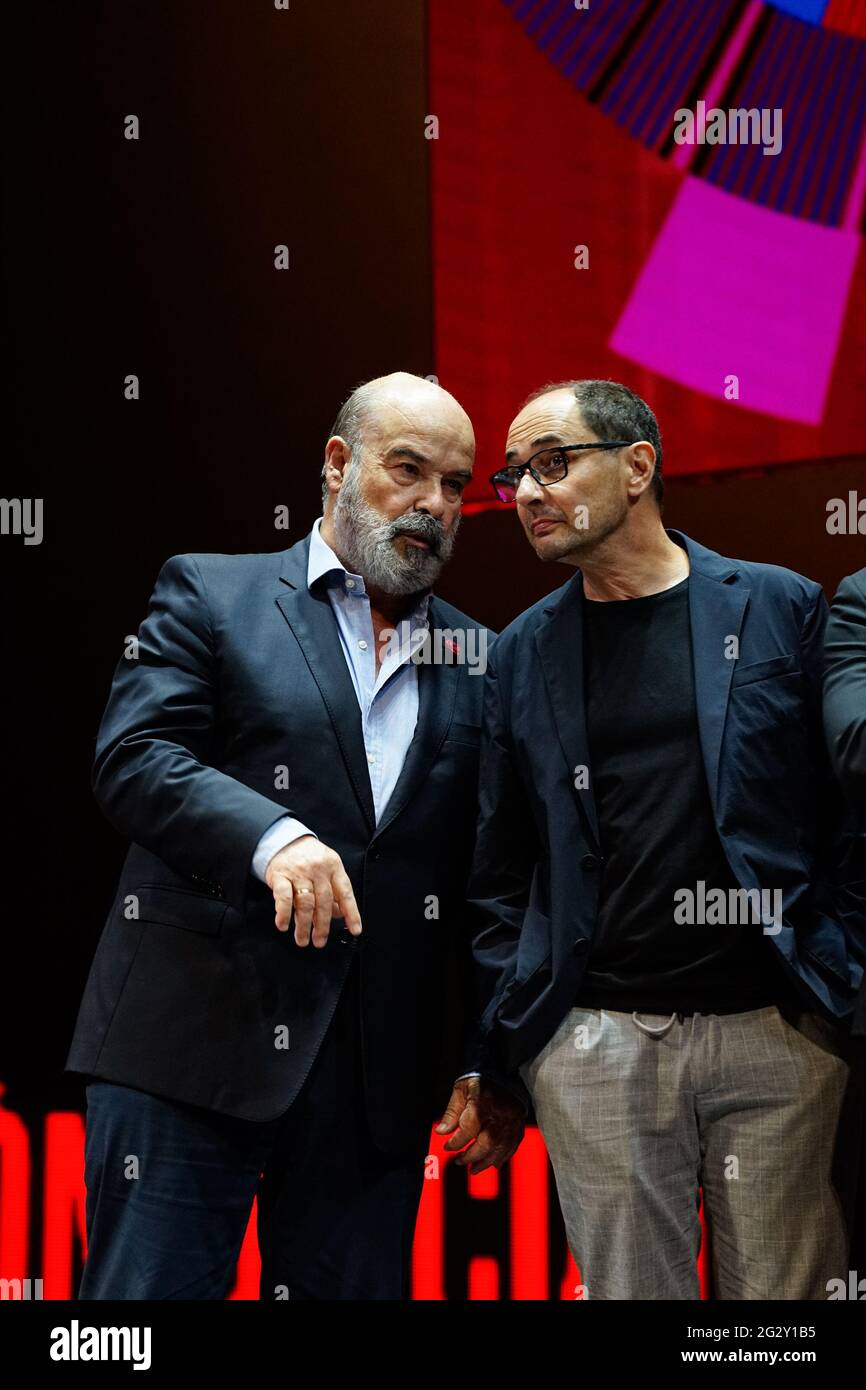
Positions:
(639, 1112)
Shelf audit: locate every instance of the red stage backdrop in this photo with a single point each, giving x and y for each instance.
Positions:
(42, 1227)
(718, 282)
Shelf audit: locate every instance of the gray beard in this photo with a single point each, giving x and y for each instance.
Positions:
(365, 543)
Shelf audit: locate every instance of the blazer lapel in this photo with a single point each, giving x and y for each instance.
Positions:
(718, 600)
(437, 692)
(311, 619)
(559, 641)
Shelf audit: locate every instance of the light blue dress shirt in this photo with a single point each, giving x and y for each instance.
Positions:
(388, 699)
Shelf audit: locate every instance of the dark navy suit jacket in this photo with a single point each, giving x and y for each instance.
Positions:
(535, 879)
(845, 713)
(241, 671)
(845, 687)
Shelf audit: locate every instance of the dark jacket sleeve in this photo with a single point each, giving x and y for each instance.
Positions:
(151, 774)
(845, 688)
(506, 851)
(840, 834)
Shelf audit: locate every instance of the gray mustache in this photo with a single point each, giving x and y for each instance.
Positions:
(426, 528)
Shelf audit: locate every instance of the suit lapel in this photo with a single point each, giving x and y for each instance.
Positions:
(437, 692)
(311, 619)
(718, 599)
(559, 641)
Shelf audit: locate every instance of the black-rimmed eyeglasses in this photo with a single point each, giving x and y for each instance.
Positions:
(547, 466)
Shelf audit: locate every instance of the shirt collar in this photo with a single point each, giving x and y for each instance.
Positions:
(323, 561)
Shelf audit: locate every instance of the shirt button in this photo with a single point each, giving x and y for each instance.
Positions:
(363, 645)
(580, 945)
(590, 862)
(370, 759)
(350, 583)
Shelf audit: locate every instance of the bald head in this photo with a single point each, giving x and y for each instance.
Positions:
(400, 393)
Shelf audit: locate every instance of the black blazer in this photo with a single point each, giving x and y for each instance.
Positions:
(240, 671)
(845, 711)
(845, 687)
(535, 879)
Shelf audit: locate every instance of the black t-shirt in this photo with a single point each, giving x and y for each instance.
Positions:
(656, 826)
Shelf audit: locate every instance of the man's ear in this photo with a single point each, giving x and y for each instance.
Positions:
(642, 465)
(337, 455)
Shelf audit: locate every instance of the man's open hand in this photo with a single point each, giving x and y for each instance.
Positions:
(485, 1113)
(309, 877)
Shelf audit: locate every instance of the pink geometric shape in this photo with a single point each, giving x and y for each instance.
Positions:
(730, 288)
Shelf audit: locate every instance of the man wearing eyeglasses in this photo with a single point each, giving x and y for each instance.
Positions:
(659, 952)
